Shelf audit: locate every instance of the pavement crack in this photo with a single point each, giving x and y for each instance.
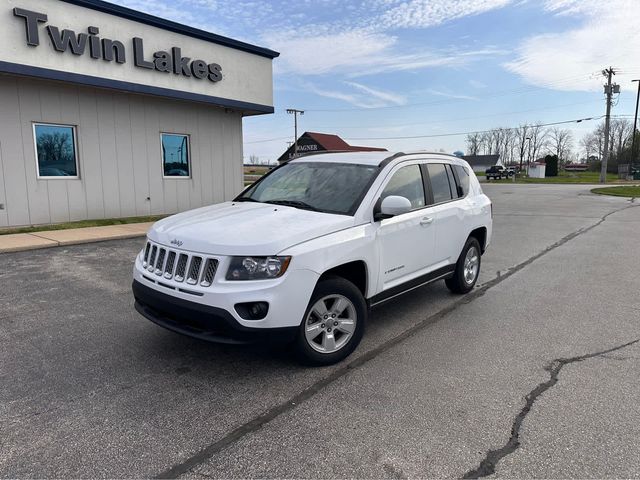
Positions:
(492, 458)
(277, 410)
(393, 471)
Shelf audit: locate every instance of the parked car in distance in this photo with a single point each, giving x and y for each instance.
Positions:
(495, 172)
(302, 254)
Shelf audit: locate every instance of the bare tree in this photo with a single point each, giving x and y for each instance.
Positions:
(54, 147)
(590, 145)
(486, 143)
(621, 129)
(508, 140)
(538, 136)
(560, 143)
(474, 143)
(496, 140)
(522, 135)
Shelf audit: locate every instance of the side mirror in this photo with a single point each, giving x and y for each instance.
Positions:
(391, 206)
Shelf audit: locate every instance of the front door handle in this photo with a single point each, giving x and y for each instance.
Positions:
(426, 221)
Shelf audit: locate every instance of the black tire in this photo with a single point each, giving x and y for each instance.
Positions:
(332, 286)
(460, 283)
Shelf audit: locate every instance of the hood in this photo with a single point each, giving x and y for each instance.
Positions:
(244, 228)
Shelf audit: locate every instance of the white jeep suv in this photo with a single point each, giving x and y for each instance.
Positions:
(304, 253)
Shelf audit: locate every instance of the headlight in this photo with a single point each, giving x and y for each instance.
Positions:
(257, 268)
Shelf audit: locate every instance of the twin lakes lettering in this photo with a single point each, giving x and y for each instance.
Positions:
(114, 50)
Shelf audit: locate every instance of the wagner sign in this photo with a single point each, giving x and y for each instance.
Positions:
(109, 50)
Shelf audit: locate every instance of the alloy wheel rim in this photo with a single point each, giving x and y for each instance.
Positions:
(471, 265)
(330, 324)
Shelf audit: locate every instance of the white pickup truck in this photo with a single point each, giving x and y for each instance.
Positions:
(305, 252)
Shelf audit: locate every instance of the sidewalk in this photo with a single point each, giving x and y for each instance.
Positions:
(57, 238)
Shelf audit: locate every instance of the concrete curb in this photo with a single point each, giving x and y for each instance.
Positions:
(20, 242)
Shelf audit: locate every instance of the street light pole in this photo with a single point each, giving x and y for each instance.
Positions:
(295, 113)
(633, 135)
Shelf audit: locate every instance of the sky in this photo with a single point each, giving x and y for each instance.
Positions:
(415, 74)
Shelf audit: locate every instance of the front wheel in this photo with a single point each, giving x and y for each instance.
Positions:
(467, 269)
(333, 324)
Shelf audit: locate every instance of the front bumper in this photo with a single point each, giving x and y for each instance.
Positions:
(201, 321)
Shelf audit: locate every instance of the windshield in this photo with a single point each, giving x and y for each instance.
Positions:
(324, 187)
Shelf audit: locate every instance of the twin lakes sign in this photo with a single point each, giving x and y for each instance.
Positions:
(109, 50)
(101, 45)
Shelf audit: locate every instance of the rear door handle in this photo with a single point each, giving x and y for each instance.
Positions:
(426, 221)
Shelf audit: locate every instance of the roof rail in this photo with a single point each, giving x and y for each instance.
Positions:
(388, 160)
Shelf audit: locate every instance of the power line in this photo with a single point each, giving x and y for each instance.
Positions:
(390, 125)
(462, 118)
(270, 140)
(278, 139)
(579, 120)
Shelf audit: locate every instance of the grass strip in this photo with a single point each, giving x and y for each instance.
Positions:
(81, 224)
(632, 191)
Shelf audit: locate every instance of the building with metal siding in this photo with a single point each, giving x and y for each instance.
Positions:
(90, 130)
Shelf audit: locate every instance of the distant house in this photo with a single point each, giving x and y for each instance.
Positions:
(310, 142)
(576, 167)
(479, 163)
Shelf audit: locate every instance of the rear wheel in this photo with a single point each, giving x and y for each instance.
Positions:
(467, 269)
(333, 324)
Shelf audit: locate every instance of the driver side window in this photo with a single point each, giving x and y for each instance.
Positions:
(407, 182)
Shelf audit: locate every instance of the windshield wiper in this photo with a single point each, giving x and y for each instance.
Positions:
(293, 203)
(246, 199)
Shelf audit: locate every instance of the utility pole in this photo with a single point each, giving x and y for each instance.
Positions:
(633, 137)
(609, 90)
(295, 113)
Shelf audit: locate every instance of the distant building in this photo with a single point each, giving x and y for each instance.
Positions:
(537, 169)
(479, 163)
(311, 142)
(576, 167)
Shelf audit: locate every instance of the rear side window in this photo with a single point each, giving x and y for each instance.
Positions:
(407, 182)
(452, 181)
(439, 182)
(463, 178)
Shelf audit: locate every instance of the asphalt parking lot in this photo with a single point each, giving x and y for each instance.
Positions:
(534, 374)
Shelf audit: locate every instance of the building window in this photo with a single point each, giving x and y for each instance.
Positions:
(175, 155)
(56, 151)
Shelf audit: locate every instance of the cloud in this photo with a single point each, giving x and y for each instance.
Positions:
(360, 95)
(318, 37)
(357, 53)
(451, 95)
(571, 59)
(477, 83)
(428, 13)
(324, 53)
(391, 98)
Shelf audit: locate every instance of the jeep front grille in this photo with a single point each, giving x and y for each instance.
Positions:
(179, 266)
(194, 270)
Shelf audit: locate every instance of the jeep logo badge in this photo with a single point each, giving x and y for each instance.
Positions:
(176, 242)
